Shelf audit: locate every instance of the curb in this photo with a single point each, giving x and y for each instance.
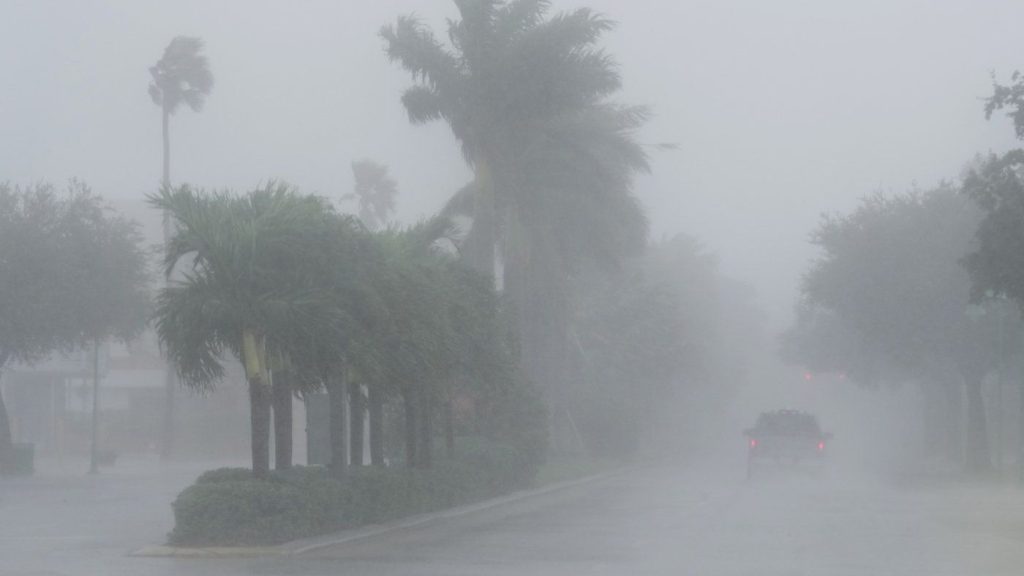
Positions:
(306, 545)
(212, 552)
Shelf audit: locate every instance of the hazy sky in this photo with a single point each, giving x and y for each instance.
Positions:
(782, 109)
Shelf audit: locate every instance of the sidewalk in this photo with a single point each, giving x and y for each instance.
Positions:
(65, 517)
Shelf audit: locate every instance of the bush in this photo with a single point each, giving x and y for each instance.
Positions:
(228, 507)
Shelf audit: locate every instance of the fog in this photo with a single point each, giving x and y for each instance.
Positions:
(765, 118)
(781, 111)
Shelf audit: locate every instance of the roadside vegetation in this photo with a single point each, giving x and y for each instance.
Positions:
(925, 288)
(531, 320)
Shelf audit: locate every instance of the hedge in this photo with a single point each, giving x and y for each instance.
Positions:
(228, 507)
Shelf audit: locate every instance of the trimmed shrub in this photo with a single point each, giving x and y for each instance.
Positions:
(228, 507)
(224, 475)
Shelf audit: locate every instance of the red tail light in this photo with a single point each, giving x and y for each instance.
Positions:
(753, 443)
(821, 446)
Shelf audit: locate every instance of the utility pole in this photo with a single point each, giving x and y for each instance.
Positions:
(94, 452)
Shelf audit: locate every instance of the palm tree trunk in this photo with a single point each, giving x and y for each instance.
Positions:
(282, 390)
(480, 255)
(376, 414)
(358, 418)
(6, 442)
(259, 408)
(336, 397)
(94, 450)
(411, 445)
(979, 458)
(170, 378)
(166, 181)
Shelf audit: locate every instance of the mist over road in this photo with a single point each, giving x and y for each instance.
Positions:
(651, 520)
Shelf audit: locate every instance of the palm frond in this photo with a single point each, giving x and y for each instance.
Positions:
(414, 46)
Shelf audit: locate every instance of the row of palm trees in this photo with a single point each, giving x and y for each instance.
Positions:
(308, 299)
(528, 94)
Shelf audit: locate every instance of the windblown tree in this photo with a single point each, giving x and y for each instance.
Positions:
(889, 300)
(248, 289)
(181, 77)
(71, 275)
(375, 192)
(527, 96)
(414, 342)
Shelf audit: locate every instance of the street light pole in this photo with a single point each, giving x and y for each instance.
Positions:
(94, 453)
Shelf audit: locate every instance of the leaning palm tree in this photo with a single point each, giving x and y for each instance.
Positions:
(375, 191)
(247, 291)
(181, 76)
(526, 94)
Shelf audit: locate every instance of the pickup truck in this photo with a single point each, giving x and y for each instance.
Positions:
(785, 439)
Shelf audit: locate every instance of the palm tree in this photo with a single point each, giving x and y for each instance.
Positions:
(249, 288)
(181, 76)
(526, 94)
(375, 191)
(413, 341)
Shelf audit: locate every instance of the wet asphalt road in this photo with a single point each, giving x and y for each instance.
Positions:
(654, 520)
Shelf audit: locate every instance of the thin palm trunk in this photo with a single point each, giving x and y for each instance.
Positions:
(336, 393)
(282, 390)
(358, 418)
(376, 415)
(94, 451)
(170, 378)
(259, 407)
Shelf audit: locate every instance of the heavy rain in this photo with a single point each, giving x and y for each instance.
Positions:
(482, 287)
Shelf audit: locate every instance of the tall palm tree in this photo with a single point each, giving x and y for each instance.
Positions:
(375, 191)
(248, 290)
(181, 76)
(527, 95)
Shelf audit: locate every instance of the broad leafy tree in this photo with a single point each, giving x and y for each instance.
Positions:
(72, 275)
(890, 300)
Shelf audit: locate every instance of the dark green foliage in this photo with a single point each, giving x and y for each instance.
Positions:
(229, 507)
(233, 511)
(224, 475)
(996, 265)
